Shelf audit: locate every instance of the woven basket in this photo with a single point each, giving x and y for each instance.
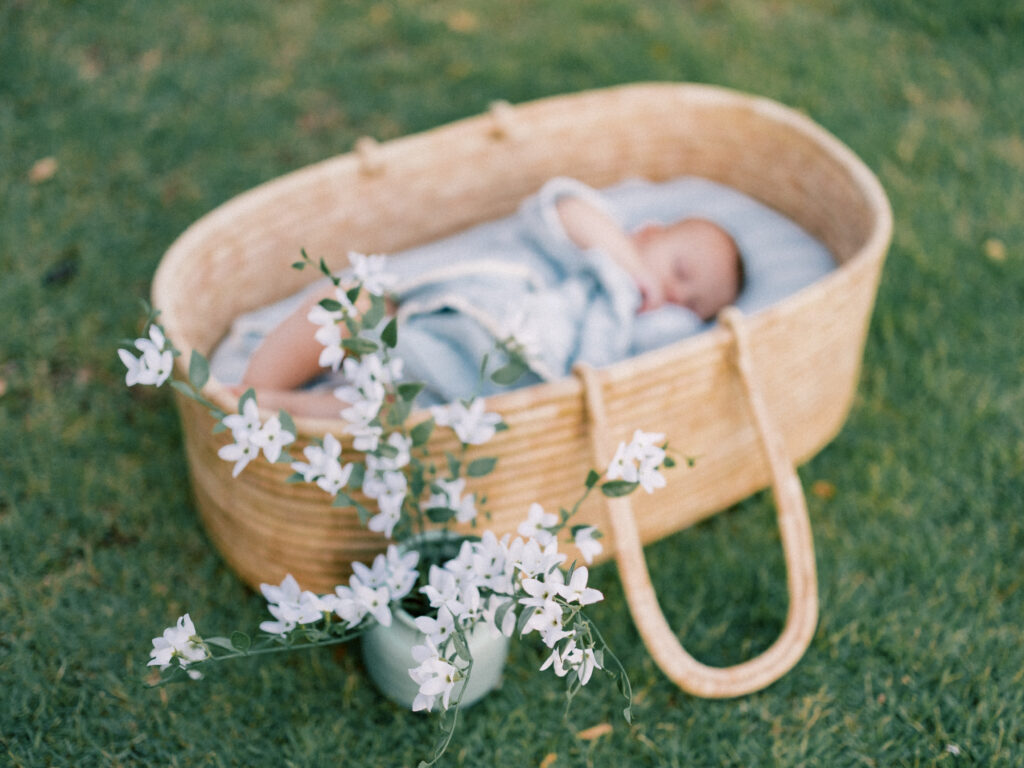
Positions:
(749, 397)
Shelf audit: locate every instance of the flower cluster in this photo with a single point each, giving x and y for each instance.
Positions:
(252, 435)
(179, 643)
(506, 586)
(153, 365)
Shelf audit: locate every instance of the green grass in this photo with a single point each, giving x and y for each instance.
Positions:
(157, 112)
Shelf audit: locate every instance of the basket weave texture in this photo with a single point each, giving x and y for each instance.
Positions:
(387, 197)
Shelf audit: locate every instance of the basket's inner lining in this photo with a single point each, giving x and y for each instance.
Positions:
(779, 259)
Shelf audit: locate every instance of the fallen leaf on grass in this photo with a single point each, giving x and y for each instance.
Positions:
(549, 760)
(995, 249)
(463, 21)
(823, 489)
(594, 732)
(43, 170)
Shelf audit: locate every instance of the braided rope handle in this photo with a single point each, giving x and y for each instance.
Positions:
(798, 547)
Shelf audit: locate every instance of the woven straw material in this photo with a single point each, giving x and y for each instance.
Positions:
(383, 198)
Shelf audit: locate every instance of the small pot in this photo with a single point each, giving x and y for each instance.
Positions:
(387, 651)
(387, 656)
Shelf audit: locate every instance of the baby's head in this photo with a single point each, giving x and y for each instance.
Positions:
(694, 263)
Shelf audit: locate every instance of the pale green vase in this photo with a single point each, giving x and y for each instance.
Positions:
(387, 655)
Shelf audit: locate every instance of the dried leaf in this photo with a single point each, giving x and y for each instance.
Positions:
(43, 170)
(463, 21)
(549, 759)
(995, 249)
(824, 490)
(595, 732)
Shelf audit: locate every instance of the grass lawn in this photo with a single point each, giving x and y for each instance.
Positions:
(122, 122)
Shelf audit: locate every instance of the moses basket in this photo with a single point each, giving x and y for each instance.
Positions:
(750, 397)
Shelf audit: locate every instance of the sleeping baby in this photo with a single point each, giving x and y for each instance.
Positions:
(562, 276)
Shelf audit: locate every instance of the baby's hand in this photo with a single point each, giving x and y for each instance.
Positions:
(651, 294)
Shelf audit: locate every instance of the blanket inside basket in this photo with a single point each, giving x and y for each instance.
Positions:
(522, 273)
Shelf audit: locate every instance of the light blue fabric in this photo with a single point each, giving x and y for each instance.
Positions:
(581, 305)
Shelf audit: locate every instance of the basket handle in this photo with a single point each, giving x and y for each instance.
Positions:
(798, 547)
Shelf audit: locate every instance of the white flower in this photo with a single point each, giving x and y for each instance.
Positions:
(372, 272)
(548, 622)
(576, 591)
(585, 542)
(491, 564)
(530, 559)
(348, 608)
(244, 427)
(520, 332)
(375, 601)
(439, 629)
(536, 524)
(397, 456)
(369, 377)
(472, 425)
(443, 591)
(290, 605)
(324, 465)
(246, 423)
(401, 570)
(241, 452)
(435, 677)
(388, 516)
(178, 642)
(452, 498)
(384, 483)
(639, 460)
(570, 658)
(272, 438)
(153, 365)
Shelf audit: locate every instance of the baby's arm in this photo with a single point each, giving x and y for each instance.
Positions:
(289, 355)
(590, 227)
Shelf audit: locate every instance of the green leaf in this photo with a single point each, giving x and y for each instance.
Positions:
(399, 412)
(219, 642)
(286, 421)
(420, 434)
(299, 265)
(249, 394)
(523, 618)
(461, 646)
(481, 467)
(323, 267)
(669, 462)
(352, 294)
(240, 641)
(342, 499)
(198, 370)
(503, 609)
(627, 713)
(454, 465)
(375, 313)
(615, 488)
(355, 480)
(390, 333)
(592, 478)
(409, 390)
(440, 514)
(360, 345)
(331, 305)
(295, 477)
(509, 373)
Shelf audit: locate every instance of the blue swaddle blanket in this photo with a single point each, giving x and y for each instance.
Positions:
(523, 274)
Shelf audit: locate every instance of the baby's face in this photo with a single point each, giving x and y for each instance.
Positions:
(695, 263)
